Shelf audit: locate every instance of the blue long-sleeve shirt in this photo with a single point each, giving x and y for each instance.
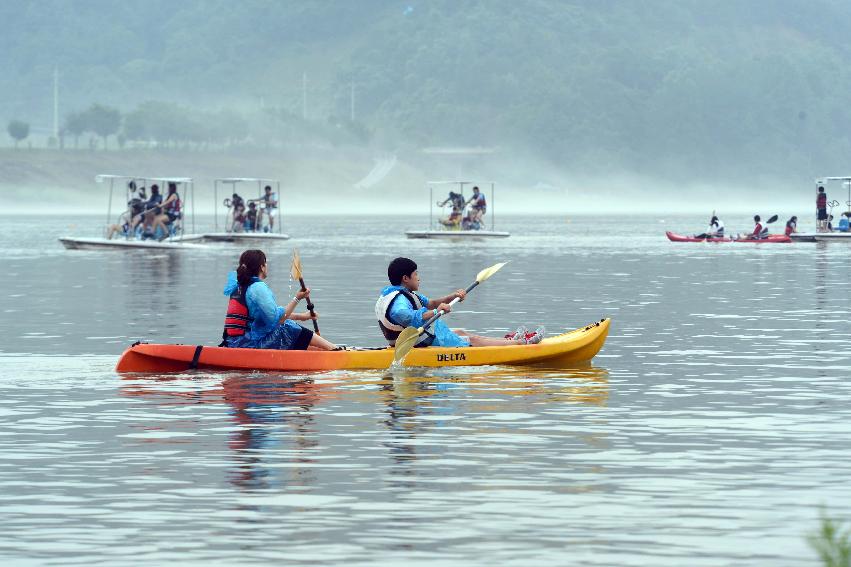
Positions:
(403, 313)
(262, 307)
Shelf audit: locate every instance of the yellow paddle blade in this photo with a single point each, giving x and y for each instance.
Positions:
(405, 342)
(488, 272)
(296, 267)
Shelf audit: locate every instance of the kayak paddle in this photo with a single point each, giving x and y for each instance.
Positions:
(409, 336)
(771, 220)
(296, 274)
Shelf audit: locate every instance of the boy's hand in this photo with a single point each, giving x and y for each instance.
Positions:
(444, 307)
(460, 294)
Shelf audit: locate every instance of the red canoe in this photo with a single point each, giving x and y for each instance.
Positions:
(770, 239)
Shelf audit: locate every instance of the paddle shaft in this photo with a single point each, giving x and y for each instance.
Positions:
(310, 307)
(451, 303)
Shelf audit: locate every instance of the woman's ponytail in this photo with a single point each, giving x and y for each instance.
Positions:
(250, 263)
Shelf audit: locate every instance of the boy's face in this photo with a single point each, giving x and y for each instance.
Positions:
(412, 282)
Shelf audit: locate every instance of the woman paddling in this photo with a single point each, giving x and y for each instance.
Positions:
(255, 320)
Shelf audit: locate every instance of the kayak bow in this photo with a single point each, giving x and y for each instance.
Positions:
(674, 237)
(567, 349)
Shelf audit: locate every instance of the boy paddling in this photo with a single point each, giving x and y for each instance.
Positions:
(401, 305)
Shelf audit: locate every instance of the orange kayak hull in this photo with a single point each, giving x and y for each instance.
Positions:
(567, 349)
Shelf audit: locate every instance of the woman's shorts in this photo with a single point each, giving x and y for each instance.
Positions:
(289, 336)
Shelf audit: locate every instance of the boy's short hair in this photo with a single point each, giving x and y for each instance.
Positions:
(399, 268)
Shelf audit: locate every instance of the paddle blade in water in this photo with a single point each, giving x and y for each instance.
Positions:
(488, 272)
(405, 342)
(296, 267)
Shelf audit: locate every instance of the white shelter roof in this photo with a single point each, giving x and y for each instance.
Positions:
(240, 179)
(459, 182)
(106, 177)
(171, 179)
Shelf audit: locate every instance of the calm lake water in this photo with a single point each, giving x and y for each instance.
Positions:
(709, 430)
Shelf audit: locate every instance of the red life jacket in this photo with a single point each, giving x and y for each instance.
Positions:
(821, 201)
(237, 318)
(174, 206)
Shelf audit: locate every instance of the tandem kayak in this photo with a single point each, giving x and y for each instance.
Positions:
(567, 349)
(770, 239)
(674, 237)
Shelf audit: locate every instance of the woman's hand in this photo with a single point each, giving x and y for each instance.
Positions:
(302, 294)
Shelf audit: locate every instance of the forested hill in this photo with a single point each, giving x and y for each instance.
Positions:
(733, 85)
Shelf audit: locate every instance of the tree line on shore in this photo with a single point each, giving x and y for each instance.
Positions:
(158, 124)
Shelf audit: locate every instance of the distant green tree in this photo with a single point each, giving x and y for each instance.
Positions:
(75, 124)
(135, 124)
(19, 130)
(103, 121)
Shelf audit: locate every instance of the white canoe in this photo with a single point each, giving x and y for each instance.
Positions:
(244, 236)
(457, 234)
(74, 243)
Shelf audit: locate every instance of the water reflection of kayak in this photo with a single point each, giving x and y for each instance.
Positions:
(770, 239)
(580, 345)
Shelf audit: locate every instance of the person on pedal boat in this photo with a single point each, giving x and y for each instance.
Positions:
(170, 212)
(400, 305)
(844, 222)
(149, 213)
(255, 320)
(250, 223)
(237, 210)
(270, 206)
(457, 201)
(715, 229)
(478, 208)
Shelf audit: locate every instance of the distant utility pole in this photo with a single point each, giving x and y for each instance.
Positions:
(304, 96)
(353, 102)
(56, 104)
